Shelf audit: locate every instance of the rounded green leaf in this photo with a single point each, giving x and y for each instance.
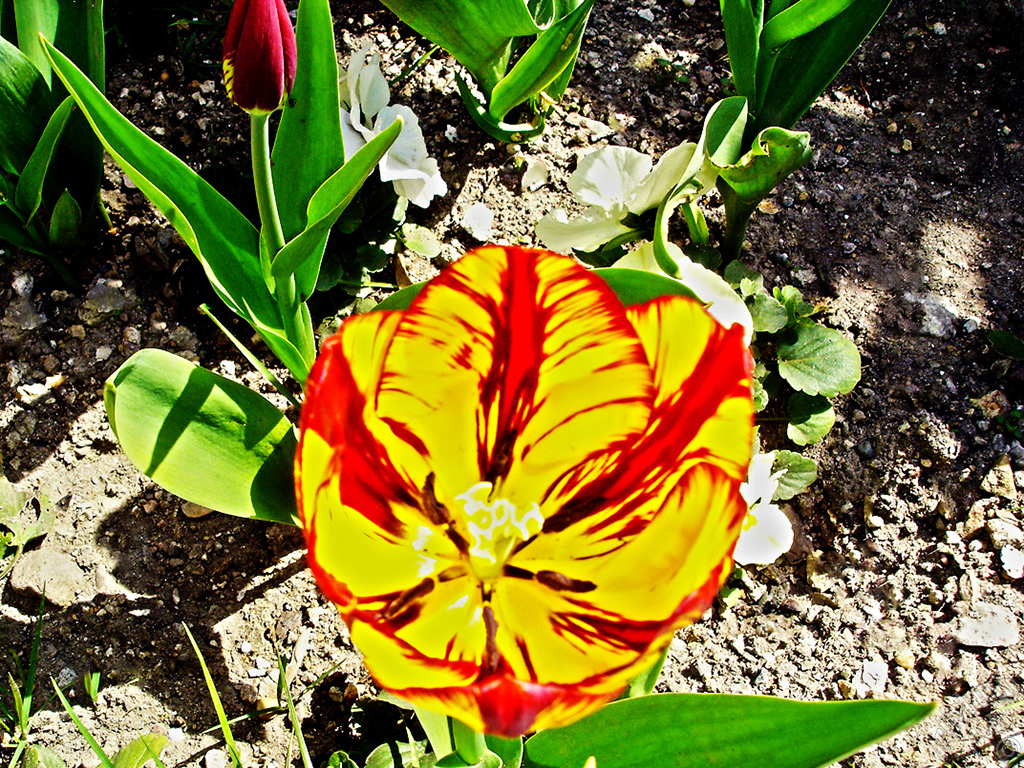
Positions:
(203, 437)
(810, 418)
(694, 730)
(801, 472)
(820, 361)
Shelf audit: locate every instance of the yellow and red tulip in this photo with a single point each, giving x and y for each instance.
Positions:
(517, 489)
(259, 55)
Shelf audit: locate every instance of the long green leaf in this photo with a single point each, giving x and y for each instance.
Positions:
(224, 241)
(12, 229)
(512, 133)
(141, 751)
(554, 49)
(806, 66)
(479, 35)
(35, 18)
(742, 22)
(218, 706)
(800, 19)
(692, 730)
(202, 437)
(308, 148)
(29, 192)
(326, 205)
(24, 107)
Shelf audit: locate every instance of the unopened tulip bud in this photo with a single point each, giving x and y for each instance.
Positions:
(259, 55)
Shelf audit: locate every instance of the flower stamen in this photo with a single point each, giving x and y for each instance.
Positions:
(495, 528)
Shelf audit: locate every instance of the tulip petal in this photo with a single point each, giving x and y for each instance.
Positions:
(513, 367)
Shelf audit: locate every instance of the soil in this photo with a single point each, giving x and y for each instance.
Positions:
(905, 580)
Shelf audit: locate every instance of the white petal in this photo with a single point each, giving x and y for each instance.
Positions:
(421, 190)
(478, 221)
(409, 152)
(371, 87)
(767, 534)
(536, 174)
(666, 174)
(585, 233)
(352, 134)
(761, 484)
(609, 176)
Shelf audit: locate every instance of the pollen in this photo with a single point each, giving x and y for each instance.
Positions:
(495, 528)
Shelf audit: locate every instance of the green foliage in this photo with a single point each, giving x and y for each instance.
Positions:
(800, 473)
(24, 522)
(687, 730)
(518, 53)
(1006, 344)
(50, 162)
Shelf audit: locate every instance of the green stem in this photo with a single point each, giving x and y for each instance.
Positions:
(469, 745)
(737, 216)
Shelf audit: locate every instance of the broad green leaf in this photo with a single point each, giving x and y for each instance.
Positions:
(799, 19)
(800, 473)
(140, 751)
(742, 22)
(24, 107)
(340, 759)
(479, 35)
(634, 286)
(695, 730)
(13, 230)
(39, 17)
(768, 313)
(420, 240)
(819, 361)
(509, 751)
(405, 755)
(301, 256)
(37, 756)
(12, 501)
(806, 66)
(224, 241)
(810, 418)
(546, 58)
(29, 192)
(722, 137)
(400, 299)
(203, 437)
(1006, 344)
(65, 222)
(793, 300)
(308, 147)
(776, 153)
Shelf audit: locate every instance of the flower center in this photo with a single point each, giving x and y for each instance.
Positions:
(495, 528)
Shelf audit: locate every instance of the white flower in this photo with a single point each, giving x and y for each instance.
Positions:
(724, 304)
(767, 533)
(365, 113)
(614, 182)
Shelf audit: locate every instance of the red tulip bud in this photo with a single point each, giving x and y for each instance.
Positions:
(259, 55)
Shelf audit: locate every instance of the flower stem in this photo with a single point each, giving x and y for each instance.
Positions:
(265, 198)
(468, 744)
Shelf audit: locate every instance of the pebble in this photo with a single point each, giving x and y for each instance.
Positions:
(1003, 534)
(478, 221)
(54, 573)
(938, 315)
(999, 481)
(905, 659)
(872, 678)
(215, 758)
(104, 300)
(1012, 561)
(194, 511)
(989, 626)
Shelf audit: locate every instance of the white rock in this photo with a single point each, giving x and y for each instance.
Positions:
(988, 626)
(478, 221)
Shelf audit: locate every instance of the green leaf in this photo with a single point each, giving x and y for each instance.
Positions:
(794, 302)
(139, 752)
(693, 730)
(203, 437)
(301, 256)
(769, 315)
(1006, 344)
(634, 286)
(775, 155)
(421, 240)
(801, 472)
(224, 241)
(806, 66)
(24, 107)
(405, 755)
(547, 57)
(39, 17)
(36, 756)
(29, 192)
(800, 19)
(810, 418)
(644, 683)
(742, 22)
(12, 501)
(510, 133)
(820, 361)
(308, 148)
(65, 222)
(340, 759)
(509, 751)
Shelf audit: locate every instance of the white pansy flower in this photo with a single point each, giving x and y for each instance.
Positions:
(365, 113)
(767, 533)
(723, 303)
(615, 182)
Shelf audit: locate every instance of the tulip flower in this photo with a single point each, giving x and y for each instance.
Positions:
(517, 489)
(259, 55)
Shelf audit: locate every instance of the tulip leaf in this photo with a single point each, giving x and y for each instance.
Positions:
(12, 229)
(141, 751)
(776, 153)
(510, 133)
(635, 286)
(301, 256)
(29, 192)
(203, 437)
(548, 56)
(819, 361)
(224, 241)
(693, 730)
(24, 107)
(810, 418)
(509, 751)
(803, 68)
(799, 19)
(308, 147)
(65, 221)
(800, 473)
(38, 756)
(742, 22)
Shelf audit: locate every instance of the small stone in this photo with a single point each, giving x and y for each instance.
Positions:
(939, 28)
(993, 404)
(245, 647)
(904, 658)
(478, 221)
(215, 758)
(999, 481)
(194, 511)
(77, 332)
(105, 299)
(989, 626)
(1012, 561)
(1003, 533)
(53, 573)
(646, 14)
(103, 352)
(871, 679)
